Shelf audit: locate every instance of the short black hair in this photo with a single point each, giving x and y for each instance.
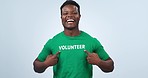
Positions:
(70, 2)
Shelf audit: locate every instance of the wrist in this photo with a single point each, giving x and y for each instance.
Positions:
(99, 62)
(46, 64)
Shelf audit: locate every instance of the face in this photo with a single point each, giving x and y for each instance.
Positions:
(70, 17)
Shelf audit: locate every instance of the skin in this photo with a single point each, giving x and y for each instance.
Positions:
(105, 66)
(70, 12)
(51, 60)
(72, 29)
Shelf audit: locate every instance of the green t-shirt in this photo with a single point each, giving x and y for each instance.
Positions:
(72, 61)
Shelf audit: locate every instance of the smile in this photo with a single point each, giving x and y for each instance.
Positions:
(70, 21)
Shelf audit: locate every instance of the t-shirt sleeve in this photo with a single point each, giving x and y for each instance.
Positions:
(100, 50)
(45, 51)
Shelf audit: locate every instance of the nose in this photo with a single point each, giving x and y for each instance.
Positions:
(70, 15)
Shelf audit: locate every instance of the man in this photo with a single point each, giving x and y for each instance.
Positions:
(72, 52)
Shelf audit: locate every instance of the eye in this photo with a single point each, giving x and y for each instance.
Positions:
(64, 13)
(75, 12)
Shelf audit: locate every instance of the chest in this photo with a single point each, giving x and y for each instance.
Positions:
(72, 51)
(72, 46)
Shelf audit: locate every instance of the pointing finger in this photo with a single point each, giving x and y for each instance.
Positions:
(88, 53)
(57, 53)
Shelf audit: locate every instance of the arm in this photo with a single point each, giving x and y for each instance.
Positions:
(105, 66)
(51, 60)
(39, 66)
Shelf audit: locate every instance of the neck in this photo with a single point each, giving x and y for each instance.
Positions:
(74, 32)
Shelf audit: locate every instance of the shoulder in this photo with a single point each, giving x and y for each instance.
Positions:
(88, 36)
(84, 34)
(56, 37)
(93, 39)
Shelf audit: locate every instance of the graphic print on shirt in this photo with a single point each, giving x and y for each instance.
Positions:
(72, 47)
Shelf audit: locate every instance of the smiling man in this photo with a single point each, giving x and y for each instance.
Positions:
(72, 52)
(70, 17)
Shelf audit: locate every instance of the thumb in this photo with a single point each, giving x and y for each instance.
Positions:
(88, 53)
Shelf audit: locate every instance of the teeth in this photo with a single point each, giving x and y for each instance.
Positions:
(70, 20)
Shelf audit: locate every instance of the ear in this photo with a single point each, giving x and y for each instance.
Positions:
(61, 16)
(80, 16)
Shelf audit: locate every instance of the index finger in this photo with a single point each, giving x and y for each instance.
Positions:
(88, 53)
(57, 53)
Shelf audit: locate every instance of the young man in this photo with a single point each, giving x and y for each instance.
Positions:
(72, 52)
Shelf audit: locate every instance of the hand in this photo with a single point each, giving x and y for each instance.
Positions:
(52, 60)
(92, 58)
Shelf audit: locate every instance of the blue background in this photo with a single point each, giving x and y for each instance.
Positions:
(120, 25)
